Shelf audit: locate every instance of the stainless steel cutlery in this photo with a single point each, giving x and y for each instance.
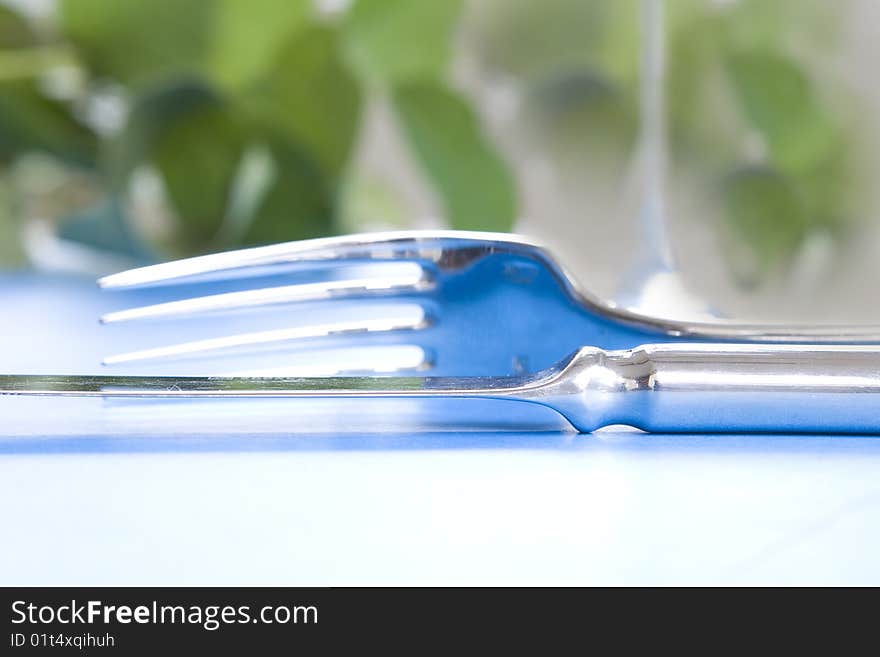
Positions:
(662, 388)
(495, 317)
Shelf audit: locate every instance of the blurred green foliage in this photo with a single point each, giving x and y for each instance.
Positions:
(479, 191)
(249, 112)
(391, 41)
(205, 87)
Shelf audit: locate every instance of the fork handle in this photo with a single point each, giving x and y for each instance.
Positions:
(723, 388)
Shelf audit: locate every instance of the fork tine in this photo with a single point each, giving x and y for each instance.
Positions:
(395, 245)
(416, 280)
(408, 318)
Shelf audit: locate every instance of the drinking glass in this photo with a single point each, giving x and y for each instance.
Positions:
(693, 157)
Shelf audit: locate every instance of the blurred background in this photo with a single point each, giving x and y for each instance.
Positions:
(686, 157)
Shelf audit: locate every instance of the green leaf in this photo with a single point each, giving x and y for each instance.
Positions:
(29, 121)
(581, 114)
(134, 41)
(311, 98)
(11, 250)
(298, 204)
(766, 212)
(105, 228)
(396, 40)
(524, 38)
(15, 32)
(248, 35)
(476, 187)
(778, 100)
(198, 155)
(837, 191)
(369, 202)
(151, 112)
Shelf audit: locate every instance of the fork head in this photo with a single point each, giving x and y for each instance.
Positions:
(458, 303)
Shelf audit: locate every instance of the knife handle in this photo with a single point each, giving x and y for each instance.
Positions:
(722, 388)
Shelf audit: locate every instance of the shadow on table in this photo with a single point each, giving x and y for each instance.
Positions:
(606, 441)
(41, 426)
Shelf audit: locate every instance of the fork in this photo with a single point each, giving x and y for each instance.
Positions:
(462, 303)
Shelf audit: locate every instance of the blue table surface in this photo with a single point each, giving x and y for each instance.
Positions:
(319, 493)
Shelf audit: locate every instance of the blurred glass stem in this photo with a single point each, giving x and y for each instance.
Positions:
(653, 284)
(652, 138)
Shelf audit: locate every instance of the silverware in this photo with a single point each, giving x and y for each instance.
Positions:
(475, 303)
(661, 388)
